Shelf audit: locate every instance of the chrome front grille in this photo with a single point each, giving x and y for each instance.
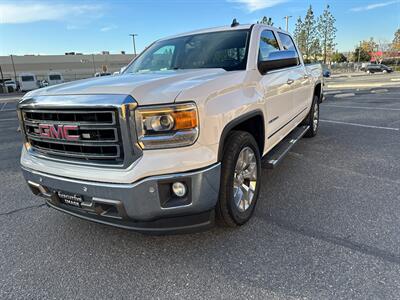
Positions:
(81, 135)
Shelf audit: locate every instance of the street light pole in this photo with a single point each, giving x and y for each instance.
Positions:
(15, 73)
(94, 66)
(287, 22)
(133, 40)
(359, 50)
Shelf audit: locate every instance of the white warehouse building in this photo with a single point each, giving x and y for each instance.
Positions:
(71, 66)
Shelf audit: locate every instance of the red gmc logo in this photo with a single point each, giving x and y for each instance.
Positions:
(60, 132)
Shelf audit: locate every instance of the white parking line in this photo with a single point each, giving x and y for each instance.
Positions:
(3, 120)
(360, 107)
(344, 95)
(361, 125)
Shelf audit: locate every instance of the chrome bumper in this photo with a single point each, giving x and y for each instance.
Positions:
(147, 205)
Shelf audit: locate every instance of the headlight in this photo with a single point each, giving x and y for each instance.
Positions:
(167, 126)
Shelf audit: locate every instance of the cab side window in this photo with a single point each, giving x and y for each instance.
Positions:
(288, 43)
(268, 44)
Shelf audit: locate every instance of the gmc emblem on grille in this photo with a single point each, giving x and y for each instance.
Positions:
(60, 132)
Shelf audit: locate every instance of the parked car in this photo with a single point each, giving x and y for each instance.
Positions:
(326, 73)
(177, 139)
(28, 82)
(43, 83)
(378, 68)
(101, 74)
(364, 67)
(11, 85)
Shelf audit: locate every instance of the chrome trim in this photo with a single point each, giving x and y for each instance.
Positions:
(284, 69)
(38, 186)
(30, 120)
(83, 142)
(80, 154)
(273, 120)
(120, 105)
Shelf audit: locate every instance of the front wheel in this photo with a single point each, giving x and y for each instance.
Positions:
(240, 179)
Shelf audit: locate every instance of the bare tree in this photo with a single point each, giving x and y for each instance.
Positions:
(383, 47)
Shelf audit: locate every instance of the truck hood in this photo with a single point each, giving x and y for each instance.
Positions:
(146, 88)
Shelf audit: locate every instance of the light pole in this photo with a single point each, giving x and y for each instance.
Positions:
(133, 40)
(359, 50)
(94, 66)
(15, 73)
(287, 22)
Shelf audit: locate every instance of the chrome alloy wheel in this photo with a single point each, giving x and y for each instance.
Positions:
(316, 117)
(245, 179)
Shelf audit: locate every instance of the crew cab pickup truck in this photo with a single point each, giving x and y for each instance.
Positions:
(178, 139)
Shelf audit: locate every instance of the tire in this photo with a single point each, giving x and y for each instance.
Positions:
(231, 211)
(312, 119)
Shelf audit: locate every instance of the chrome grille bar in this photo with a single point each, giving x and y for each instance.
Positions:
(97, 136)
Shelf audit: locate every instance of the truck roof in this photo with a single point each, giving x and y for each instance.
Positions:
(220, 28)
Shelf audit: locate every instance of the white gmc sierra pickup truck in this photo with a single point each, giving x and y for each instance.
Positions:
(177, 140)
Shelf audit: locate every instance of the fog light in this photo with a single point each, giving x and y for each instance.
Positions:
(179, 189)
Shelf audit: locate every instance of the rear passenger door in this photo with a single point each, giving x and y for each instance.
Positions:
(277, 92)
(300, 80)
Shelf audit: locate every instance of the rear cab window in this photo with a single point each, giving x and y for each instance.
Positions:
(287, 43)
(268, 44)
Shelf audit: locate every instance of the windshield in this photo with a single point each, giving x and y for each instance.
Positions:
(224, 49)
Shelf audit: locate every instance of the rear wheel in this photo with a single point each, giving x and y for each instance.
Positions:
(312, 119)
(240, 174)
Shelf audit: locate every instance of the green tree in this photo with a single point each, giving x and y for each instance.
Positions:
(299, 35)
(327, 32)
(339, 57)
(396, 41)
(266, 21)
(361, 55)
(315, 50)
(310, 30)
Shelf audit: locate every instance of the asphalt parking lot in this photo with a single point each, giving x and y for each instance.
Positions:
(327, 224)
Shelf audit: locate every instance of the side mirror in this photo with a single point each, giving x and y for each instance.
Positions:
(278, 60)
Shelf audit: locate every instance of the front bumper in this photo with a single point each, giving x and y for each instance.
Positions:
(147, 205)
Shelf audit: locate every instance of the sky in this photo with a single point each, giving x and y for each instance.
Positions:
(56, 27)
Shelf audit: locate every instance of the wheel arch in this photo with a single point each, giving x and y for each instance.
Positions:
(252, 122)
(318, 91)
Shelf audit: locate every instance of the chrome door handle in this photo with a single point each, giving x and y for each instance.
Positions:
(289, 81)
